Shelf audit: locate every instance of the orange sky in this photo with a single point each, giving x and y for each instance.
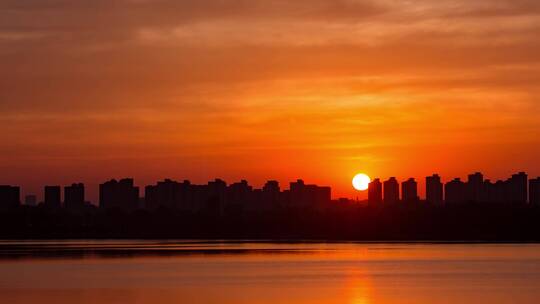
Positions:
(269, 89)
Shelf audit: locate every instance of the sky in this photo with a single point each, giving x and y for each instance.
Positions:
(273, 89)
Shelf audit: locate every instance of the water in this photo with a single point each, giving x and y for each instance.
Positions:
(247, 272)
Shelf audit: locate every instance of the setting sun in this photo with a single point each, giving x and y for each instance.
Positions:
(361, 182)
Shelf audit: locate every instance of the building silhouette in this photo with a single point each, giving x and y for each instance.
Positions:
(434, 189)
(297, 193)
(375, 195)
(218, 198)
(164, 194)
(475, 209)
(241, 195)
(51, 197)
(477, 190)
(499, 192)
(455, 192)
(517, 188)
(302, 195)
(10, 197)
(120, 194)
(391, 191)
(534, 191)
(216, 192)
(271, 195)
(475, 187)
(74, 196)
(409, 191)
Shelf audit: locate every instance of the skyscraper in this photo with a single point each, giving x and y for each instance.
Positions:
(164, 194)
(52, 196)
(475, 186)
(409, 191)
(488, 191)
(297, 193)
(517, 188)
(434, 189)
(239, 194)
(270, 194)
(375, 192)
(391, 191)
(119, 194)
(10, 196)
(305, 196)
(74, 196)
(455, 192)
(534, 191)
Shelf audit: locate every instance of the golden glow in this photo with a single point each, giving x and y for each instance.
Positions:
(268, 90)
(361, 182)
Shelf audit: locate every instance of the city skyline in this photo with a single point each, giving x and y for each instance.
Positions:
(475, 188)
(270, 151)
(457, 210)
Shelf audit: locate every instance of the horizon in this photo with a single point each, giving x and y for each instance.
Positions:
(333, 93)
(91, 190)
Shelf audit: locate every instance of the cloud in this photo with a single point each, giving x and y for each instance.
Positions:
(142, 78)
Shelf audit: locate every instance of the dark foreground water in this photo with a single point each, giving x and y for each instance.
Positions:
(231, 272)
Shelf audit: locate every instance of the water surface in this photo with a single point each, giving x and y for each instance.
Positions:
(261, 272)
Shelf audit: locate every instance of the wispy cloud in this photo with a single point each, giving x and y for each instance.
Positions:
(308, 81)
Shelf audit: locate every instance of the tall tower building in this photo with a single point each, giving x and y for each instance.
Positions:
(119, 194)
(409, 191)
(74, 196)
(475, 185)
(534, 191)
(375, 192)
(10, 197)
(52, 196)
(434, 189)
(517, 188)
(455, 192)
(391, 191)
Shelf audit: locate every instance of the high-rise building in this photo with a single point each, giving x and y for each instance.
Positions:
(217, 191)
(306, 196)
(164, 194)
(270, 194)
(51, 197)
(500, 192)
(10, 197)
(297, 193)
(271, 186)
(74, 196)
(455, 192)
(323, 195)
(30, 200)
(375, 192)
(391, 191)
(119, 194)
(409, 191)
(517, 188)
(534, 191)
(239, 194)
(488, 189)
(434, 189)
(475, 186)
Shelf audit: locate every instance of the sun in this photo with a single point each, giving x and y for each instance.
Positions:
(361, 181)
